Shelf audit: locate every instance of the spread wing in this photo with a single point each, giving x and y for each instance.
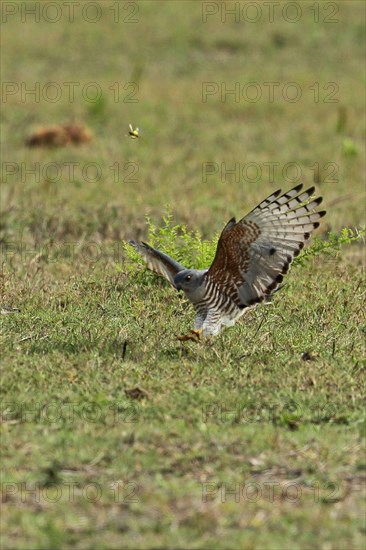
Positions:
(158, 262)
(253, 254)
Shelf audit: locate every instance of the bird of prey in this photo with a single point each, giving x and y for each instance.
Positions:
(252, 256)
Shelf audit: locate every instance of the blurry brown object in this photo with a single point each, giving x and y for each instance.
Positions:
(137, 393)
(59, 136)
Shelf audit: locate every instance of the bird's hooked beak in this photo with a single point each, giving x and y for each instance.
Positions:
(178, 287)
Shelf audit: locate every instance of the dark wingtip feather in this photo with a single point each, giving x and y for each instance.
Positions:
(145, 245)
(297, 188)
(311, 190)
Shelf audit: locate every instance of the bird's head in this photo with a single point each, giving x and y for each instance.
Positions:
(189, 280)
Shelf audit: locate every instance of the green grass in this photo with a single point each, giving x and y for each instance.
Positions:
(127, 438)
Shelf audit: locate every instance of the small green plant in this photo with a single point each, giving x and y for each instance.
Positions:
(331, 245)
(189, 248)
(185, 246)
(350, 148)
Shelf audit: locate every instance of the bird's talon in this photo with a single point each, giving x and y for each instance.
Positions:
(195, 336)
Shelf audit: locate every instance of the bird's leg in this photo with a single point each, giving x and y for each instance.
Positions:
(195, 336)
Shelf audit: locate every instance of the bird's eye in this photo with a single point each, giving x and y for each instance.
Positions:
(189, 277)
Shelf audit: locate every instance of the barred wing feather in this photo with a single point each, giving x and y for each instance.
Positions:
(157, 261)
(253, 254)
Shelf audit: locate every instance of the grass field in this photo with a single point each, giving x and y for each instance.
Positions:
(114, 434)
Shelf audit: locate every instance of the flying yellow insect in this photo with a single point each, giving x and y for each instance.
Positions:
(134, 134)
